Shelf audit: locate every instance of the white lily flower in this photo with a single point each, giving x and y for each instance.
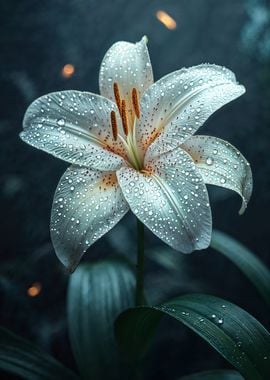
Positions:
(133, 148)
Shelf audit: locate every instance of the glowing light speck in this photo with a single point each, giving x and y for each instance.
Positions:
(166, 20)
(34, 290)
(68, 70)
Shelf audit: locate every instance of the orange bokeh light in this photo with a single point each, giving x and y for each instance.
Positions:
(68, 70)
(34, 289)
(166, 20)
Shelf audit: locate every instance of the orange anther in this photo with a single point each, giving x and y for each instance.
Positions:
(114, 125)
(135, 102)
(117, 96)
(124, 117)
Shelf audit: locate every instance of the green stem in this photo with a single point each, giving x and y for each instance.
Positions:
(139, 297)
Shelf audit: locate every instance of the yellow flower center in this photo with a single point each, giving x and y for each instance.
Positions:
(128, 121)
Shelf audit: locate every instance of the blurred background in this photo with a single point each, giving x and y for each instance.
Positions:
(54, 45)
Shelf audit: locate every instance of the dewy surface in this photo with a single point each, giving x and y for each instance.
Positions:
(132, 147)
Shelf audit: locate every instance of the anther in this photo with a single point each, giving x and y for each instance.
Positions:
(124, 117)
(117, 96)
(135, 102)
(114, 125)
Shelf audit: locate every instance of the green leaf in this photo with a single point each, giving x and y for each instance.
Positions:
(218, 374)
(234, 333)
(97, 294)
(246, 261)
(22, 358)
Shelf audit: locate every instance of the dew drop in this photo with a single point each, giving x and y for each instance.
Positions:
(61, 122)
(220, 321)
(222, 180)
(215, 151)
(209, 161)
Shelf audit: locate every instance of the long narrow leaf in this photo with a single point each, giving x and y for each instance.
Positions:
(234, 333)
(22, 358)
(245, 260)
(97, 294)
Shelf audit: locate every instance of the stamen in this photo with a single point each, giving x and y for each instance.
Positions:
(117, 96)
(135, 102)
(124, 117)
(114, 125)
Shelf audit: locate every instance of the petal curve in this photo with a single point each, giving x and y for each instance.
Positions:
(170, 198)
(74, 126)
(129, 66)
(86, 205)
(221, 164)
(179, 103)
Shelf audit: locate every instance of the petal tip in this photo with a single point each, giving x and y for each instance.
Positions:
(243, 207)
(145, 39)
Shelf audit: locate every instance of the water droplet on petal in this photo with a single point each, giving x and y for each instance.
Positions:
(222, 180)
(220, 321)
(209, 161)
(61, 122)
(215, 151)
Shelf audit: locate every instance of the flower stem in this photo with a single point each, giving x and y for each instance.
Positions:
(139, 297)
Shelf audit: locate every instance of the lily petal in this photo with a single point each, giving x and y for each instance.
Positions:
(221, 164)
(178, 104)
(129, 66)
(86, 205)
(74, 126)
(170, 198)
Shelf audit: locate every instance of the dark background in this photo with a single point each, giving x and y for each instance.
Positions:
(37, 38)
